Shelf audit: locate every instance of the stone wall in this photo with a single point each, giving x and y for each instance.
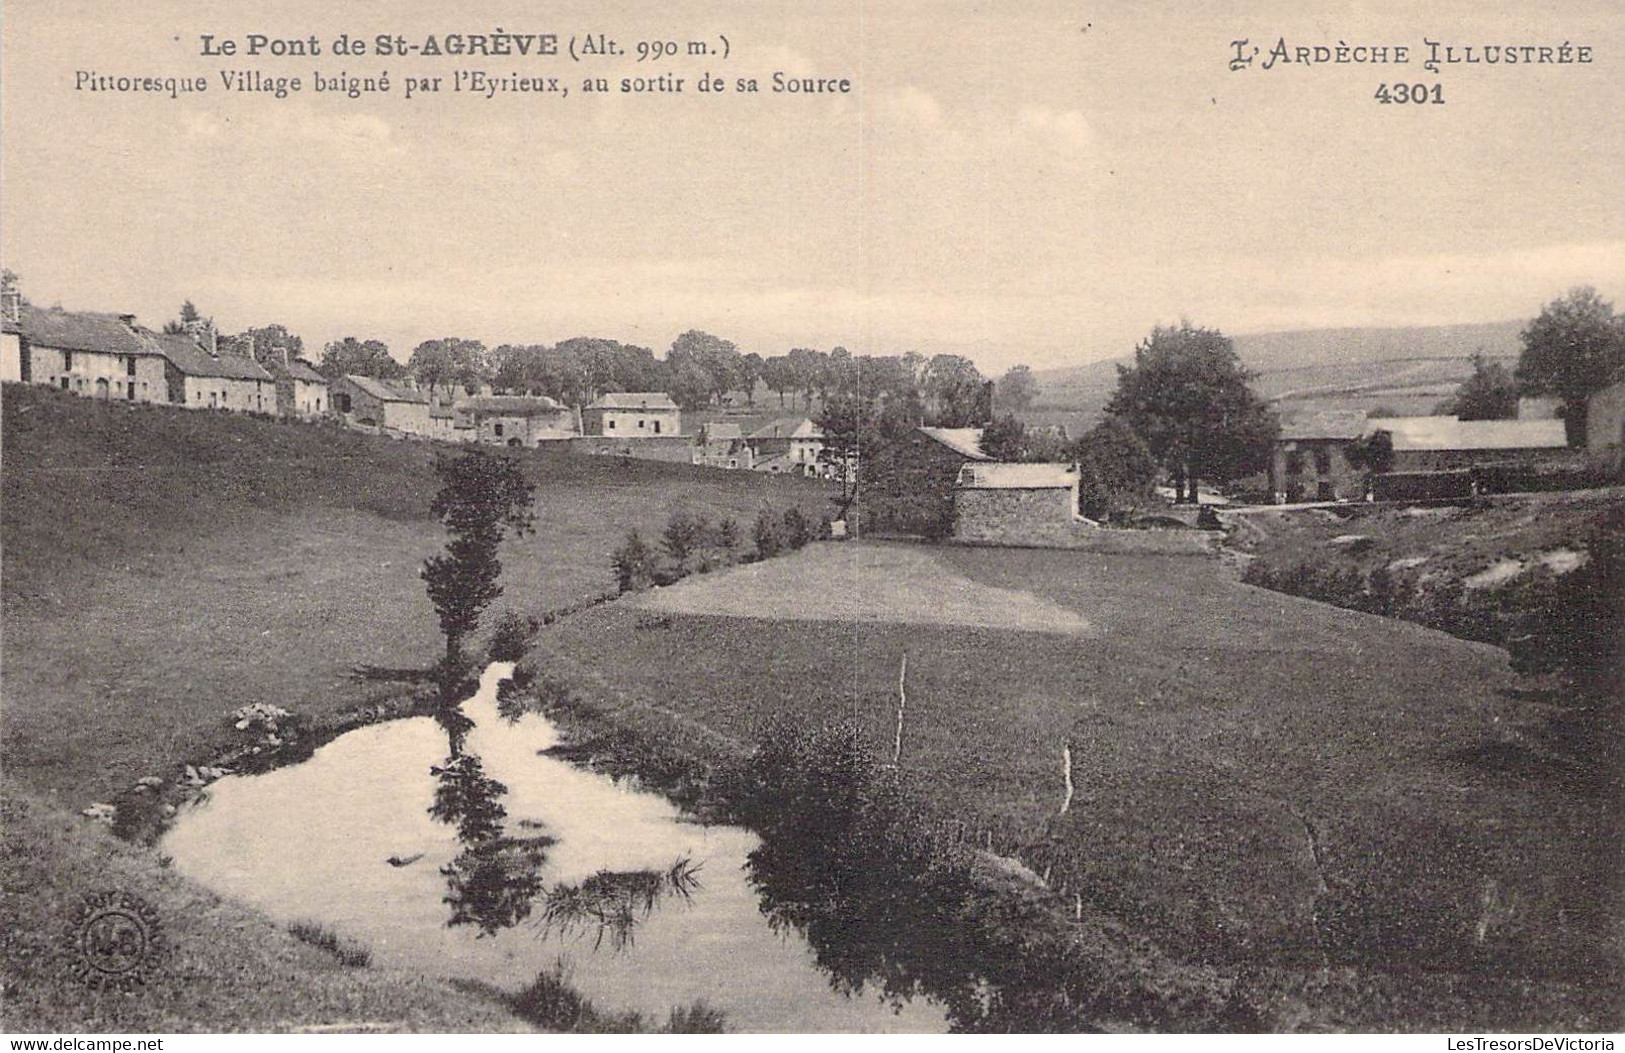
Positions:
(678, 449)
(1044, 518)
(1449, 460)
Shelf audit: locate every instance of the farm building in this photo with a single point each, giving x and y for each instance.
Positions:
(1310, 461)
(11, 335)
(516, 420)
(790, 444)
(632, 415)
(1605, 422)
(104, 356)
(371, 403)
(1431, 444)
(1029, 505)
(197, 376)
(445, 424)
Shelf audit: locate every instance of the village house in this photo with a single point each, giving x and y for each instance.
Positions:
(1310, 461)
(1027, 505)
(632, 415)
(445, 425)
(373, 404)
(199, 376)
(721, 445)
(105, 356)
(789, 445)
(1605, 423)
(516, 420)
(300, 390)
(11, 334)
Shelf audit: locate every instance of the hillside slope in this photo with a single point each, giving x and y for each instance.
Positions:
(1407, 369)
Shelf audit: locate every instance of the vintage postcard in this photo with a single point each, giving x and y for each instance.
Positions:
(836, 516)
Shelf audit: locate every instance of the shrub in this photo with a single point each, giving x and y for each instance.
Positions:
(797, 531)
(696, 1019)
(726, 536)
(684, 534)
(348, 952)
(511, 637)
(767, 535)
(634, 564)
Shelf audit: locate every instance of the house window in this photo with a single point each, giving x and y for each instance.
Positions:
(132, 391)
(498, 429)
(609, 425)
(343, 402)
(1323, 460)
(640, 425)
(64, 382)
(129, 366)
(657, 427)
(67, 361)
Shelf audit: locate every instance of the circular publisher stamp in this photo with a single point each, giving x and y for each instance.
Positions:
(115, 941)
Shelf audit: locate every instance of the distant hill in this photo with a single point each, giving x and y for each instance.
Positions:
(1404, 369)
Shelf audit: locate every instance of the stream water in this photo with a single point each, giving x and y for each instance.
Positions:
(454, 849)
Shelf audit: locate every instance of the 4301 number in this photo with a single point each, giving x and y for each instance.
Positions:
(1420, 94)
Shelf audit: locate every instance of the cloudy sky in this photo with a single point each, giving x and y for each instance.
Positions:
(1023, 182)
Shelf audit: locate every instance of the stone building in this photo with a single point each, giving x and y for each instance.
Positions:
(790, 444)
(373, 404)
(104, 356)
(301, 391)
(516, 420)
(199, 376)
(1433, 444)
(1022, 505)
(722, 445)
(1310, 461)
(1605, 422)
(907, 486)
(632, 415)
(11, 334)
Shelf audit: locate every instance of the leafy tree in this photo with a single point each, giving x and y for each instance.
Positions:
(691, 385)
(261, 343)
(634, 564)
(797, 531)
(1016, 389)
(1574, 348)
(1489, 394)
(726, 535)
(1187, 397)
(717, 359)
(1115, 467)
(364, 358)
(1004, 439)
(189, 315)
(958, 391)
(751, 367)
(482, 496)
(449, 362)
(780, 376)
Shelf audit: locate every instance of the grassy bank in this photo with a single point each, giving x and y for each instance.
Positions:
(1264, 785)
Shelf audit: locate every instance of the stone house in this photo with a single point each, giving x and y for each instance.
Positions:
(11, 335)
(632, 415)
(1310, 461)
(790, 444)
(301, 391)
(1024, 505)
(199, 376)
(516, 420)
(105, 356)
(370, 403)
(721, 445)
(1605, 422)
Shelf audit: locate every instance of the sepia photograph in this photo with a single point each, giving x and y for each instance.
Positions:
(825, 517)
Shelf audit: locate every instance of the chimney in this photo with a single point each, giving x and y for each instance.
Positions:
(127, 319)
(279, 353)
(203, 335)
(409, 382)
(11, 302)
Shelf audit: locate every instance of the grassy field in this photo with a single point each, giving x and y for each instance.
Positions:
(164, 567)
(1260, 779)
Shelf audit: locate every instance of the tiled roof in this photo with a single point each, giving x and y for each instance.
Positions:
(1448, 433)
(184, 354)
(510, 405)
(387, 392)
(299, 369)
(994, 475)
(716, 432)
(1324, 424)
(788, 428)
(655, 400)
(967, 442)
(81, 331)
